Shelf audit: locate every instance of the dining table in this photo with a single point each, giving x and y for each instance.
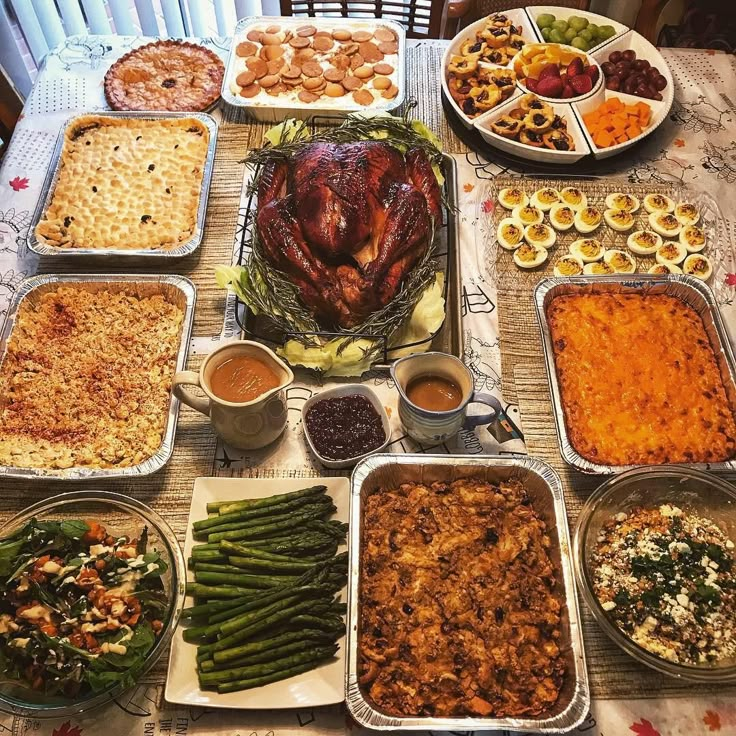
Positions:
(695, 147)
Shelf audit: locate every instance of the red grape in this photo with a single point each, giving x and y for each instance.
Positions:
(640, 65)
(609, 68)
(660, 82)
(652, 72)
(615, 57)
(613, 83)
(629, 55)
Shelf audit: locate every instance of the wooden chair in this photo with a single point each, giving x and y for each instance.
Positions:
(461, 13)
(421, 18)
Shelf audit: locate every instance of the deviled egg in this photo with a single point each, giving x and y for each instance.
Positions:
(569, 266)
(587, 219)
(671, 252)
(644, 242)
(663, 269)
(530, 256)
(620, 261)
(686, 213)
(587, 249)
(573, 197)
(540, 235)
(619, 220)
(527, 214)
(621, 201)
(511, 197)
(510, 233)
(601, 268)
(693, 238)
(561, 216)
(545, 198)
(658, 203)
(698, 265)
(665, 224)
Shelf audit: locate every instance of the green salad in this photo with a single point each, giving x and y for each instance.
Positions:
(80, 609)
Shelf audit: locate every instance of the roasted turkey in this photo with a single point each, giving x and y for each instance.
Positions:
(347, 222)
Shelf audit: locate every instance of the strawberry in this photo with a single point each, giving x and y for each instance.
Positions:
(551, 70)
(531, 84)
(568, 91)
(550, 87)
(575, 67)
(563, 77)
(582, 84)
(593, 72)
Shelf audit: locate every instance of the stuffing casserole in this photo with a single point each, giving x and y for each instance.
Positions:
(458, 610)
(85, 380)
(639, 380)
(126, 183)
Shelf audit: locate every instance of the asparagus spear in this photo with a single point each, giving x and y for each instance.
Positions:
(252, 581)
(225, 507)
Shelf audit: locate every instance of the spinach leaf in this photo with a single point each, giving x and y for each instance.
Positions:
(154, 558)
(74, 528)
(110, 670)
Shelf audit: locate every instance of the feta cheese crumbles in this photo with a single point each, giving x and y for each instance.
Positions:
(666, 577)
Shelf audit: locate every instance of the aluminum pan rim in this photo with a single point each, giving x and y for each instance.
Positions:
(635, 281)
(242, 103)
(363, 712)
(52, 175)
(163, 454)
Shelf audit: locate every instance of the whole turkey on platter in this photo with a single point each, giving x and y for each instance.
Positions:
(347, 222)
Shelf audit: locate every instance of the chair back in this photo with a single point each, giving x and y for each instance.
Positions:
(481, 8)
(46, 23)
(420, 18)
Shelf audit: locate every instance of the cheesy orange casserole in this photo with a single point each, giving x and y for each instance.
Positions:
(639, 380)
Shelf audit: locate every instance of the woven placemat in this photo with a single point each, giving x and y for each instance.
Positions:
(612, 673)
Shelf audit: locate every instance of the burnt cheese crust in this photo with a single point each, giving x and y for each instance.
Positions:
(459, 614)
(639, 380)
(86, 379)
(126, 183)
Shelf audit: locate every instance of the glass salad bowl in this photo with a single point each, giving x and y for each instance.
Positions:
(92, 584)
(693, 492)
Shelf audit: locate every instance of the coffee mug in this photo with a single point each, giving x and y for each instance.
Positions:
(429, 427)
(248, 425)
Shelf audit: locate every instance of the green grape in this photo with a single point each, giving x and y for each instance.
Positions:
(586, 34)
(580, 43)
(606, 32)
(577, 23)
(556, 36)
(547, 33)
(545, 20)
(560, 25)
(569, 34)
(595, 30)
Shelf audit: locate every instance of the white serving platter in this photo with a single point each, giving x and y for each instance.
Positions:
(321, 686)
(625, 38)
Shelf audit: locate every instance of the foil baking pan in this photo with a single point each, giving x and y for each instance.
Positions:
(693, 292)
(282, 108)
(545, 491)
(126, 255)
(176, 289)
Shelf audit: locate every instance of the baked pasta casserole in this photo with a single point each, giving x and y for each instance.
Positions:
(639, 380)
(86, 377)
(459, 615)
(126, 183)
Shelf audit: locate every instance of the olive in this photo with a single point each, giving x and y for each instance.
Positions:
(640, 65)
(660, 82)
(629, 55)
(615, 57)
(608, 67)
(613, 83)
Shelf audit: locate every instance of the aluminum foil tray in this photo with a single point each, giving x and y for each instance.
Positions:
(127, 255)
(545, 490)
(688, 289)
(176, 289)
